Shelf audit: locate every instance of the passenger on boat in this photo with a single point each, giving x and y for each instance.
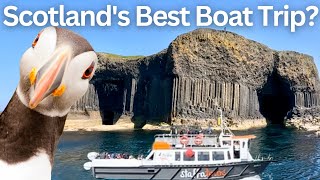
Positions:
(209, 131)
(140, 157)
(108, 156)
(183, 131)
(236, 147)
(102, 155)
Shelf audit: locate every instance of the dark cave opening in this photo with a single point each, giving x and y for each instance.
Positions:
(108, 117)
(110, 93)
(276, 99)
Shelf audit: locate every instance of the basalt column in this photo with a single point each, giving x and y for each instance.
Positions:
(200, 98)
(307, 98)
(89, 102)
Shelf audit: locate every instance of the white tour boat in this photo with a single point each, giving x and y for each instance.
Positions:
(185, 156)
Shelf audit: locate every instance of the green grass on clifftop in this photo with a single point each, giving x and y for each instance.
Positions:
(118, 57)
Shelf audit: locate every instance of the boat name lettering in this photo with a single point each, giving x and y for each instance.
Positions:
(189, 174)
(220, 173)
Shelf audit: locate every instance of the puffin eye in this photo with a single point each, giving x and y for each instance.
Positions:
(87, 74)
(35, 41)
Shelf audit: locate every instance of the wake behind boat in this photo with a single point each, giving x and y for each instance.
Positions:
(184, 154)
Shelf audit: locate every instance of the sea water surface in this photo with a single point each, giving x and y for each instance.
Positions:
(297, 153)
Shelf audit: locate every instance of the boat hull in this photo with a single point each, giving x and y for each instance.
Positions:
(225, 171)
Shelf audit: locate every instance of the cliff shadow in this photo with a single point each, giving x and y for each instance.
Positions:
(150, 103)
(152, 100)
(139, 108)
(276, 99)
(110, 95)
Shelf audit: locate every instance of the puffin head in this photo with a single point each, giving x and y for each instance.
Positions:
(55, 71)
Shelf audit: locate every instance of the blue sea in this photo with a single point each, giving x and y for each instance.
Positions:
(297, 153)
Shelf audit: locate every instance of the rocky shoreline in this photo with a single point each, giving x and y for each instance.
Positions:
(307, 119)
(73, 124)
(305, 123)
(125, 124)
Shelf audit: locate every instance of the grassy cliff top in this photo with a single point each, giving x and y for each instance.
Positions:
(118, 57)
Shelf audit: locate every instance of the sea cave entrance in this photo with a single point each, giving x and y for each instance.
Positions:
(110, 95)
(276, 99)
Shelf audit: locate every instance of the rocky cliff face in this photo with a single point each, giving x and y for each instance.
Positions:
(199, 72)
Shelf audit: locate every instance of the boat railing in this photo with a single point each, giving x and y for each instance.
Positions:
(188, 139)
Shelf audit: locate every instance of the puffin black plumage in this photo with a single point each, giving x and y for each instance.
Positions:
(54, 73)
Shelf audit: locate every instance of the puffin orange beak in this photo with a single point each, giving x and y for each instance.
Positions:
(49, 77)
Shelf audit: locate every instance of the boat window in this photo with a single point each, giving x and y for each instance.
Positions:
(243, 144)
(177, 156)
(217, 155)
(203, 156)
(188, 157)
(226, 143)
(151, 158)
(229, 156)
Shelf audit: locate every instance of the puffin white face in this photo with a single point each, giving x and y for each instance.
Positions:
(55, 71)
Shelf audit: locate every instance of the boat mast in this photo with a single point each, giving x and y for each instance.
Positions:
(223, 125)
(221, 121)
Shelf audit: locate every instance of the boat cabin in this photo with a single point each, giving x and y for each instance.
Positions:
(178, 149)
